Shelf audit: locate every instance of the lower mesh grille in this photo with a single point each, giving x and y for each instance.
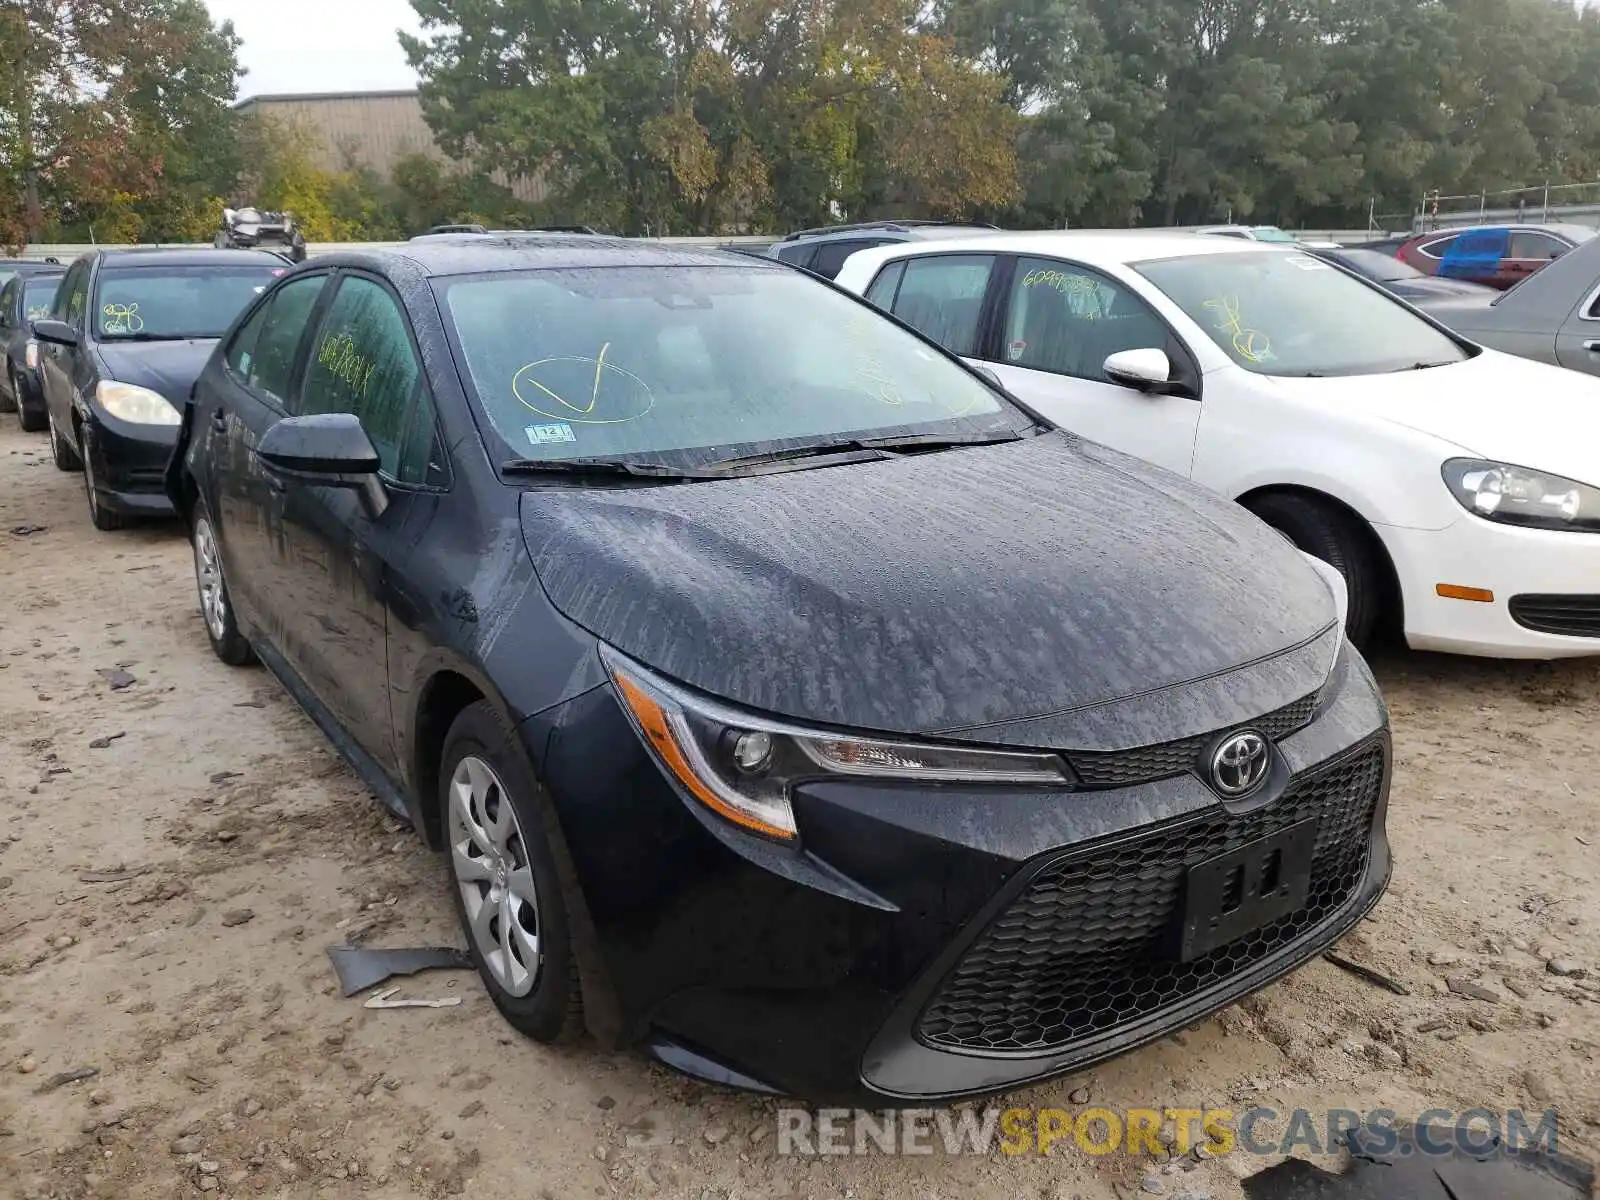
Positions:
(1081, 950)
(1122, 768)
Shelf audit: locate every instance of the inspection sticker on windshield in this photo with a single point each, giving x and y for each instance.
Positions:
(543, 435)
(1306, 263)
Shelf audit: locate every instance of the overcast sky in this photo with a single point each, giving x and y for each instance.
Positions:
(319, 45)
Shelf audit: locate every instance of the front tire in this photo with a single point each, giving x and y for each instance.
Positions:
(216, 607)
(1338, 539)
(503, 877)
(104, 519)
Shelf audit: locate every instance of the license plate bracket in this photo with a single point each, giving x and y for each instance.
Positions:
(1235, 893)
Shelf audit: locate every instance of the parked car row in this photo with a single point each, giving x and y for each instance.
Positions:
(787, 697)
(881, 691)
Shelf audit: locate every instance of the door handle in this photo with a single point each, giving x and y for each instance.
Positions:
(1592, 345)
(219, 420)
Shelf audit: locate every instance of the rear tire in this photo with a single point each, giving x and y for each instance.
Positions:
(11, 394)
(66, 458)
(503, 880)
(216, 606)
(1328, 533)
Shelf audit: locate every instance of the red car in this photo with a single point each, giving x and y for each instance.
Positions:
(1499, 255)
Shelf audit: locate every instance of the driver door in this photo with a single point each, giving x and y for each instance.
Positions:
(1059, 323)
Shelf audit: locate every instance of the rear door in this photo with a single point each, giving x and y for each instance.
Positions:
(1060, 322)
(1578, 341)
(252, 395)
(363, 360)
(1528, 251)
(56, 363)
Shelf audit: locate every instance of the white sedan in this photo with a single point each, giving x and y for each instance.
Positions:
(1457, 489)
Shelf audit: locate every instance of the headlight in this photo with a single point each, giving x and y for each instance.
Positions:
(136, 405)
(1519, 496)
(744, 768)
(31, 355)
(1336, 584)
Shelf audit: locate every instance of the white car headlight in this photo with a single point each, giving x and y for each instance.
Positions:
(136, 405)
(1519, 496)
(31, 355)
(743, 767)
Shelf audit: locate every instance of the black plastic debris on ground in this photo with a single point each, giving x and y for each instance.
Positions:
(1459, 1163)
(359, 968)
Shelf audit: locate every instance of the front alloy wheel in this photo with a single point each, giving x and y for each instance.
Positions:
(489, 857)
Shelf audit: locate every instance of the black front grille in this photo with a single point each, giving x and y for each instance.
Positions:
(1084, 948)
(1122, 768)
(1577, 616)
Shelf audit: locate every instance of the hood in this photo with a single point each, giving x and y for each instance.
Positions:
(1494, 406)
(169, 368)
(936, 593)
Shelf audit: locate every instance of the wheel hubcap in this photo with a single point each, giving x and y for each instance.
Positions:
(490, 859)
(208, 575)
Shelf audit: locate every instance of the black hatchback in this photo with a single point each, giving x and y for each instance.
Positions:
(126, 334)
(784, 698)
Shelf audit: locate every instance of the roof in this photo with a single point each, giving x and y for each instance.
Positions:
(154, 257)
(1094, 247)
(467, 254)
(1575, 233)
(303, 97)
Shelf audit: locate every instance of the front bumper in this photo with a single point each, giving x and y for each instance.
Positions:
(1506, 560)
(819, 972)
(129, 463)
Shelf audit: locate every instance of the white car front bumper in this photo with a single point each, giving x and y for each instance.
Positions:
(1508, 562)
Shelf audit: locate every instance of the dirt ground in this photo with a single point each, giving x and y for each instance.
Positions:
(177, 853)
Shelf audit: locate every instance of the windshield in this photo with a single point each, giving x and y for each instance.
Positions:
(1374, 264)
(1271, 233)
(1292, 314)
(690, 362)
(175, 302)
(37, 293)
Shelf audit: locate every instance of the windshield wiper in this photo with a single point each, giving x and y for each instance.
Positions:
(603, 467)
(853, 450)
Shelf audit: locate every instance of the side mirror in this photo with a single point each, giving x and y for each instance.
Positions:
(57, 333)
(1142, 370)
(325, 450)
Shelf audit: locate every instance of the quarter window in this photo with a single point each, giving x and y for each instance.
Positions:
(242, 349)
(363, 363)
(942, 295)
(1068, 320)
(831, 255)
(272, 355)
(1438, 248)
(883, 288)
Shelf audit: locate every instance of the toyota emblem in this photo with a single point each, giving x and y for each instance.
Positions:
(1239, 764)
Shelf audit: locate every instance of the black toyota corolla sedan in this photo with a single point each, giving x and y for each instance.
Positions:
(785, 699)
(126, 335)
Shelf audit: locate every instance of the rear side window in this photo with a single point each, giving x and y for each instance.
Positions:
(1528, 244)
(363, 363)
(831, 256)
(242, 349)
(1438, 248)
(271, 360)
(885, 285)
(8, 303)
(942, 295)
(798, 255)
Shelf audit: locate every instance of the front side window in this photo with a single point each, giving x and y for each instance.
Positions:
(166, 303)
(73, 295)
(1294, 315)
(1064, 318)
(942, 295)
(268, 365)
(698, 364)
(362, 362)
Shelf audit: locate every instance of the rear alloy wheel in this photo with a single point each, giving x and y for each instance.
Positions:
(504, 880)
(1325, 532)
(65, 457)
(227, 643)
(104, 519)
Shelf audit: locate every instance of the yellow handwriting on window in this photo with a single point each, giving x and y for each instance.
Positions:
(122, 318)
(1249, 344)
(1082, 292)
(342, 360)
(554, 387)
